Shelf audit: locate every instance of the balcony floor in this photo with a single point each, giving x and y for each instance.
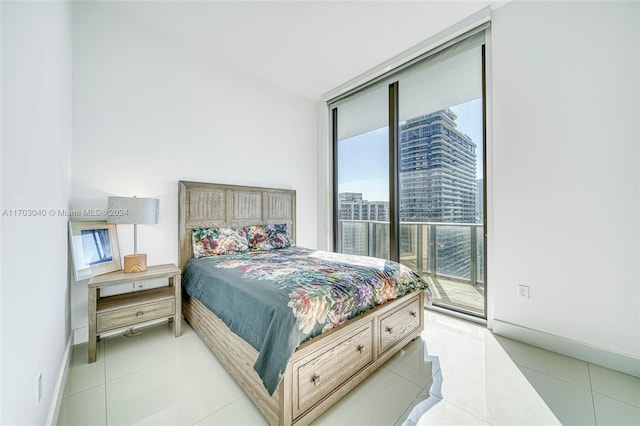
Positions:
(450, 293)
(457, 295)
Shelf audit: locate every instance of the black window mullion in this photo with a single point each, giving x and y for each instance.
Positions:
(484, 176)
(336, 206)
(394, 193)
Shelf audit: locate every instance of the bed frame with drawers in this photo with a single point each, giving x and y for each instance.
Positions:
(323, 369)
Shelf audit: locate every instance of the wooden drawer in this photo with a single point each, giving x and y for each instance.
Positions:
(398, 324)
(317, 375)
(135, 314)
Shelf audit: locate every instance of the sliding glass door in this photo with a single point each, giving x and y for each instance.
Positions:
(441, 174)
(409, 172)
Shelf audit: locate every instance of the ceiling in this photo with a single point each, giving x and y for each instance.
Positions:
(304, 47)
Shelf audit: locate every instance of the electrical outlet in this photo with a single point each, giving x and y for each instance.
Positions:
(523, 291)
(38, 388)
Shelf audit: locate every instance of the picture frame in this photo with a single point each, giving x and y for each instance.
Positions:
(94, 248)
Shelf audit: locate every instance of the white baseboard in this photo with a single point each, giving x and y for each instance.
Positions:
(58, 392)
(573, 348)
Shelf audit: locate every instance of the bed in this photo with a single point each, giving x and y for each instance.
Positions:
(337, 352)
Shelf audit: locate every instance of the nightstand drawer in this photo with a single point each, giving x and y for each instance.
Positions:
(135, 314)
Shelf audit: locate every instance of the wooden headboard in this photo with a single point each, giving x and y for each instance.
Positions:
(229, 206)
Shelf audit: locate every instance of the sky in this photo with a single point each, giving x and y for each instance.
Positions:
(363, 160)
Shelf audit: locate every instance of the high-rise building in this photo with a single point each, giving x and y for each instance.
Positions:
(356, 235)
(438, 184)
(350, 196)
(351, 206)
(437, 170)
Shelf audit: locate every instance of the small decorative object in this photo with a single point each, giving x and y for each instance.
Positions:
(94, 248)
(133, 211)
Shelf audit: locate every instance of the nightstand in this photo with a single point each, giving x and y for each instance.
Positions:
(125, 310)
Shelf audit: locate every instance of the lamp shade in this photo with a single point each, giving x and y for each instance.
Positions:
(132, 210)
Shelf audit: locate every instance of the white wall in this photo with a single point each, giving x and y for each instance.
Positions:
(566, 208)
(35, 168)
(324, 155)
(147, 114)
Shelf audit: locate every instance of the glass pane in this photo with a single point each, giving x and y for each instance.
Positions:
(363, 174)
(440, 176)
(453, 252)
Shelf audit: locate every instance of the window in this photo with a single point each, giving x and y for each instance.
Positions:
(412, 145)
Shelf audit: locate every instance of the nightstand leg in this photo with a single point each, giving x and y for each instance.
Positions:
(93, 299)
(177, 323)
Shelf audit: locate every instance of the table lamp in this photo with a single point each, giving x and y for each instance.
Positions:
(133, 210)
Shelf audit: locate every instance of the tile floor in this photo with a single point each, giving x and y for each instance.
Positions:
(457, 374)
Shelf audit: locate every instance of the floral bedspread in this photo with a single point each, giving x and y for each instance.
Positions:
(277, 299)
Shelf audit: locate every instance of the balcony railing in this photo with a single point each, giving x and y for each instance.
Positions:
(452, 251)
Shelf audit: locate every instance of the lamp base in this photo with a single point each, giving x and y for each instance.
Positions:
(135, 263)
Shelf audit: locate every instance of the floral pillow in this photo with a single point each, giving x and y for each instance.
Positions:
(268, 237)
(216, 241)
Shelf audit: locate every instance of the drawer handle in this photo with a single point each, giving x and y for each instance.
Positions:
(362, 349)
(316, 380)
(390, 330)
(139, 314)
(413, 313)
